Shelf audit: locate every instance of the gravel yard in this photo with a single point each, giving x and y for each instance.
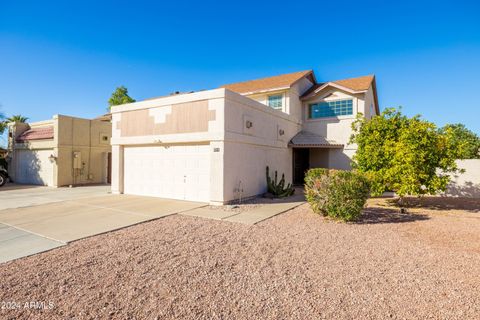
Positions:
(425, 264)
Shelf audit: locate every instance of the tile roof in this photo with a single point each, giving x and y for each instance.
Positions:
(308, 139)
(40, 133)
(104, 117)
(280, 81)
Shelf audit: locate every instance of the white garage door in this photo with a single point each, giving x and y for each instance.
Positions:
(34, 167)
(176, 172)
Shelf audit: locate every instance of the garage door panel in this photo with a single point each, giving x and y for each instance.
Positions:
(178, 172)
(34, 167)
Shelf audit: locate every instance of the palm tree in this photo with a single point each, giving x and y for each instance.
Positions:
(16, 118)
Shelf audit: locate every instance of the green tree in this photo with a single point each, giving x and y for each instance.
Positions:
(465, 142)
(119, 96)
(16, 118)
(406, 155)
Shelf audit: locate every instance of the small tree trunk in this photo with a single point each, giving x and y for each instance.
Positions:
(402, 204)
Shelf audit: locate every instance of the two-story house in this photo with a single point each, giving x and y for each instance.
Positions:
(213, 146)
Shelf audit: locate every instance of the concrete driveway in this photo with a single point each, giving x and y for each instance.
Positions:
(34, 220)
(17, 195)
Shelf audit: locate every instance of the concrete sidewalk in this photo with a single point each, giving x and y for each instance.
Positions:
(15, 243)
(251, 216)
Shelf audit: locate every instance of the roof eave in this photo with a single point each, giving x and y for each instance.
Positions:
(331, 84)
(32, 139)
(324, 146)
(305, 76)
(375, 96)
(264, 90)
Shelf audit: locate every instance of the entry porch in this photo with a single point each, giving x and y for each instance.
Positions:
(314, 151)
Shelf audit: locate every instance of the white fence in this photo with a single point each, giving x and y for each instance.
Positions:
(466, 184)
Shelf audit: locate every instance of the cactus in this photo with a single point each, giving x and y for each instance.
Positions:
(277, 189)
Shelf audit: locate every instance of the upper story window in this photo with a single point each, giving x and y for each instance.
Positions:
(275, 101)
(330, 109)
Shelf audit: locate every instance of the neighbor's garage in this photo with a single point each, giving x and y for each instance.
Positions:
(34, 167)
(178, 171)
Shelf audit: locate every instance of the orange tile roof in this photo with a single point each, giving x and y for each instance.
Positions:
(281, 81)
(36, 134)
(357, 84)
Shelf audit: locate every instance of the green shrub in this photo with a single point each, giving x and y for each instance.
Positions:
(336, 193)
(313, 174)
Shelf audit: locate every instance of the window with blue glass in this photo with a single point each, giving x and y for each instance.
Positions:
(331, 109)
(276, 101)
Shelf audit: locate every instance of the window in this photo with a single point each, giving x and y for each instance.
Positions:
(276, 101)
(330, 109)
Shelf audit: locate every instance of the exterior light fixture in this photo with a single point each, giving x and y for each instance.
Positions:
(249, 124)
(281, 132)
(52, 158)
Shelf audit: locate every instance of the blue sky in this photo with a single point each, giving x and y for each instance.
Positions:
(67, 57)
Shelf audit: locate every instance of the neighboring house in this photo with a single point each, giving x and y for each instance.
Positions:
(213, 146)
(60, 152)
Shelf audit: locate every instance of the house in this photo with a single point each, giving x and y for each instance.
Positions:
(61, 151)
(213, 146)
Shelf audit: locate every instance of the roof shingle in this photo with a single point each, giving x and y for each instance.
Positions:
(280, 81)
(357, 84)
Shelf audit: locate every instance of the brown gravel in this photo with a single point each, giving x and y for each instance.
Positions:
(425, 264)
(260, 201)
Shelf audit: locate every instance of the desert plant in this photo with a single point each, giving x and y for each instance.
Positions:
(278, 190)
(337, 194)
(315, 182)
(313, 174)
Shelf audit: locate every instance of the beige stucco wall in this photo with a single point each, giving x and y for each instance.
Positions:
(466, 184)
(84, 136)
(249, 150)
(263, 98)
(370, 109)
(294, 94)
(319, 158)
(333, 158)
